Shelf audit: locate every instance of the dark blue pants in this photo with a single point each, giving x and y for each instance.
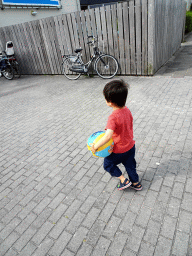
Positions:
(127, 159)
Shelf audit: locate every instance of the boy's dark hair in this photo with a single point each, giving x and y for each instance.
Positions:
(116, 92)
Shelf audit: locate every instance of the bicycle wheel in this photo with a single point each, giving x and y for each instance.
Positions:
(106, 66)
(67, 72)
(8, 73)
(17, 71)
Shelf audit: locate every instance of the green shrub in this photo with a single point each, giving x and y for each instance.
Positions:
(188, 23)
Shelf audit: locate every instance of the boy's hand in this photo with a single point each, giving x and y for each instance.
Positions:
(93, 150)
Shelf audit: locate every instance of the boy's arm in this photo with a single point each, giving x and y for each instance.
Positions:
(108, 135)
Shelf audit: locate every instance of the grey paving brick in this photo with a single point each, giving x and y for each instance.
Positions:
(28, 249)
(91, 217)
(185, 219)
(84, 250)
(111, 227)
(118, 244)
(180, 246)
(136, 203)
(146, 249)
(135, 238)
(86, 206)
(76, 222)
(59, 227)
(42, 218)
(71, 211)
(128, 222)
(152, 232)
(44, 248)
(24, 238)
(163, 247)
(178, 190)
(77, 240)
(57, 213)
(11, 252)
(42, 205)
(8, 217)
(101, 247)
(27, 209)
(102, 200)
(169, 226)
(26, 223)
(189, 186)
(6, 231)
(107, 212)
(174, 207)
(57, 200)
(187, 202)
(143, 216)
(95, 232)
(42, 232)
(8, 242)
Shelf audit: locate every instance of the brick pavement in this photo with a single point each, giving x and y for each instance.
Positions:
(56, 199)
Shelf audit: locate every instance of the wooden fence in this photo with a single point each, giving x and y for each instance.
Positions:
(141, 34)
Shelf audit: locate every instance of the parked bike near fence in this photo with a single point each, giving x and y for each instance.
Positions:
(5, 67)
(9, 52)
(105, 65)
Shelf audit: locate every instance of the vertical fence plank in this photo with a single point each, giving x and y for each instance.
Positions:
(144, 37)
(83, 21)
(121, 38)
(27, 44)
(99, 31)
(39, 46)
(126, 37)
(132, 36)
(138, 35)
(115, 32)
(109, 29)
(151, 37)
(104, 29)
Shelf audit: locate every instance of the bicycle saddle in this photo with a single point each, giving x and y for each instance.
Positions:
(78, 50)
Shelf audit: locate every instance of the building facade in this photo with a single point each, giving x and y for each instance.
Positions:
(18, 11)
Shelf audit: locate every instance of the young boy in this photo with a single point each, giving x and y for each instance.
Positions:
(120, 128)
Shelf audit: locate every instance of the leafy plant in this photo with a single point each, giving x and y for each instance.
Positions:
(188, 23)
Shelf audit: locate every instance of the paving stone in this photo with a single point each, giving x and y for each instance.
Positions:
(146, 249)
(111, 227)
(163, 247)
(187, 202)
(169, 226)
(180, 245)
(44, 247)
(60, 244)
(152, 232)
(135, 238)
(77, 240)
(101, 247)
(84, 250)
(174, 207)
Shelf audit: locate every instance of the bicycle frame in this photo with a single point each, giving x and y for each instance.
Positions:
(96, 55)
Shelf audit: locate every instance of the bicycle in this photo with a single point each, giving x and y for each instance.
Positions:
(105, 65)
(5, 68)
(14, 64)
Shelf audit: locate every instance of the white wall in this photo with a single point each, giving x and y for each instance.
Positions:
(14, 16)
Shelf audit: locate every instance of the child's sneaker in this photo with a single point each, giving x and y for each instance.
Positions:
(138, 186)
(123, 185)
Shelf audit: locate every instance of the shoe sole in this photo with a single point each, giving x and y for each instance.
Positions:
(128, 185)
(138, 189)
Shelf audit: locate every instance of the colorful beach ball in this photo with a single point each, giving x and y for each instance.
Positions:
(103, 151)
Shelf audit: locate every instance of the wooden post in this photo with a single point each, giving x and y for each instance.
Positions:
(151, 38)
